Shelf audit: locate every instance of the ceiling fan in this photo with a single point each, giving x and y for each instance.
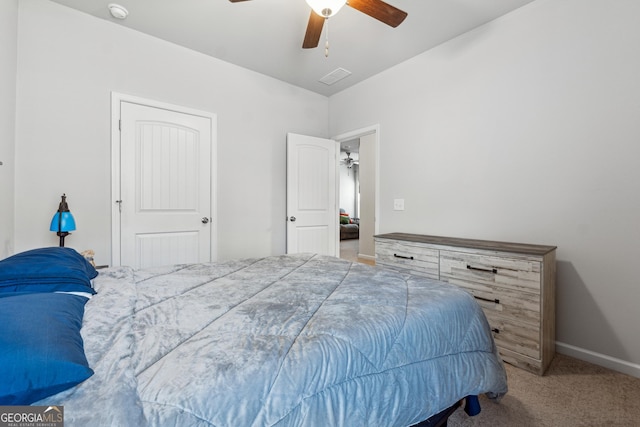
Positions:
(349, 161)
(324, 9)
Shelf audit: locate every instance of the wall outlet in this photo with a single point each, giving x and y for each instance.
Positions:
(398, 204)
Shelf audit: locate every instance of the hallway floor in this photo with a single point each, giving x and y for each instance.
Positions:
(349, 251)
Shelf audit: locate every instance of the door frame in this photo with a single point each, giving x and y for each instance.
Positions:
(367, 130)
(116, 100)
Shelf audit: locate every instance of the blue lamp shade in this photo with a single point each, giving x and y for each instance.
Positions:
(63, 220)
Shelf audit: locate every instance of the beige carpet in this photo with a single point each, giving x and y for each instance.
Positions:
(571, 393)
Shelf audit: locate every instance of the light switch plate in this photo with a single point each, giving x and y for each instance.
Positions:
(398, 204)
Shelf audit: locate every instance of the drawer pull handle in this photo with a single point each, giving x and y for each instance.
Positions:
(497, 301)
(402, 256)
(492, 270)
(496, 330)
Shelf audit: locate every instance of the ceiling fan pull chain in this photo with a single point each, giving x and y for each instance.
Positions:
(326, 45)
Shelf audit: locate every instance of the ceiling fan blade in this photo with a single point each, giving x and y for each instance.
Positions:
(237, 1)
(379, 10)
(314, 29)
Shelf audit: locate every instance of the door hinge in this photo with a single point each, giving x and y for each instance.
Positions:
(120, 125)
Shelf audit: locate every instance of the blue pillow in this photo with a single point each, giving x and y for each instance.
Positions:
(41, 349)
(46, 270)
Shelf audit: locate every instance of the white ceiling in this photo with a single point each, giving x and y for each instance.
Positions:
(266, 35)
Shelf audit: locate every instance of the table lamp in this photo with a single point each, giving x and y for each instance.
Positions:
(62, 222)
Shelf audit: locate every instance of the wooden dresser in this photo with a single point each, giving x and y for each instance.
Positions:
(513, 282)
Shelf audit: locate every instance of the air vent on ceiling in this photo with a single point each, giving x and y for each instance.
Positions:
(335, 76)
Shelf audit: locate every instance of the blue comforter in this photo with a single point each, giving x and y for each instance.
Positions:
(293, 340)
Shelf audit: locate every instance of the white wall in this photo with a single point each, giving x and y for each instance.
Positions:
(8, 65)
(348, 188)
(68, 64)
(526, 129)
(367, 247)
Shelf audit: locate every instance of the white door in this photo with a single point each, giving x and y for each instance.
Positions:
(312, 213)
(165, 186)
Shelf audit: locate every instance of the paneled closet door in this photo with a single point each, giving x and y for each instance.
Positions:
(165, 186)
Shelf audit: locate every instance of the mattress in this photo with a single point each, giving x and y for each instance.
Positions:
(291, 340)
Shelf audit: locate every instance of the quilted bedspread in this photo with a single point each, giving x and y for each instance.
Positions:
(292, 340)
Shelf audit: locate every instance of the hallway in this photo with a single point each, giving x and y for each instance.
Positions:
(349, 251)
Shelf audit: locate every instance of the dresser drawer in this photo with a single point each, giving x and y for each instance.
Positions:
(408, 257)
(510, 334)
(491, 271)
(504, 286)
(514, 304)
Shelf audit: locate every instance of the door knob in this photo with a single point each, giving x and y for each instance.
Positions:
(292, 219)
(205, 220)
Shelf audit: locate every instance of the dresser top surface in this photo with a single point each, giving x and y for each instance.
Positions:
(520, 248)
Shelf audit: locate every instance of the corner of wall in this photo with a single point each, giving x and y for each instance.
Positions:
(8, 79)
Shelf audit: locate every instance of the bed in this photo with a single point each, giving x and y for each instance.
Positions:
(291, 340)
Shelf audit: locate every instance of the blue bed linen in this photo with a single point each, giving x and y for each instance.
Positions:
(41, 351)
(295, 340)
(55, 269)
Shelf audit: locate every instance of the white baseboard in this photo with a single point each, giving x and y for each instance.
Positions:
(603, 360)
(369, 257)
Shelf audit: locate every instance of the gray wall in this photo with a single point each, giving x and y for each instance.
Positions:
(68, 64)
(8, 58)
(526, 129)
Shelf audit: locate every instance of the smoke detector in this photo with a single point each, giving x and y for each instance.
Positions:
(117, 11)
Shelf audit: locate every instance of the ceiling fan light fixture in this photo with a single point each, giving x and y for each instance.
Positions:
(326, 8)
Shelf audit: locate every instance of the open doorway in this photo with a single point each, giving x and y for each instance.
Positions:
(349, 196)
(358, 191)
